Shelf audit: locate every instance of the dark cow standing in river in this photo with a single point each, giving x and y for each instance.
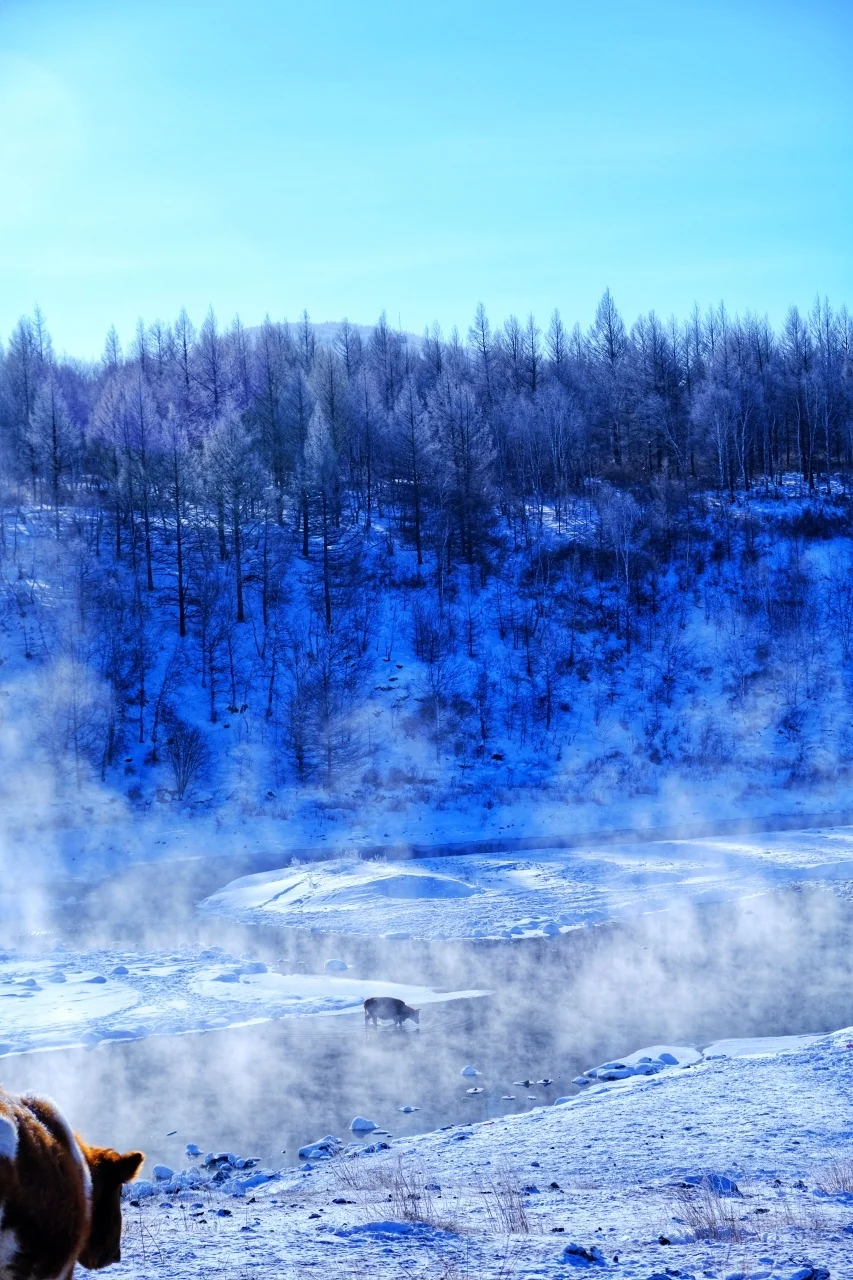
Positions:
(389, 1009)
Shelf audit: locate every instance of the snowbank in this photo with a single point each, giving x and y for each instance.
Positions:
(535, 895)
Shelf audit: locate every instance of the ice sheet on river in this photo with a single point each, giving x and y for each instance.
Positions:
(51, 1000)
(535, 894)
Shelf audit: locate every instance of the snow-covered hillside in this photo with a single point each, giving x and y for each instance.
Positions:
(728, 708)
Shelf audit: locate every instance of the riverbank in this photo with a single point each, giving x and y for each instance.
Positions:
(739, 1165)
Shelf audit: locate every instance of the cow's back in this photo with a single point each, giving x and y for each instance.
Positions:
(384, 1007)
(44, 1191)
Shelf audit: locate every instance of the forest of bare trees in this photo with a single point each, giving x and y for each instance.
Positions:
(242, 526)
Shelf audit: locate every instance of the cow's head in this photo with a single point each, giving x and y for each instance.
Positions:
(110, 1171)
(415, 1015)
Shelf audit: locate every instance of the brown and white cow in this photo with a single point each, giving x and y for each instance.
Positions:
(60, 1199)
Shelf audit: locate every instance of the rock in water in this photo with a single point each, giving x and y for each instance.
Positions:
(360, 1125)
(323, 1149)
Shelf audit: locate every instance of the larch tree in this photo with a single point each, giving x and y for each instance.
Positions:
(178, 469)
(412, 459)
(53, 439)
(231, 467)
(609, 343)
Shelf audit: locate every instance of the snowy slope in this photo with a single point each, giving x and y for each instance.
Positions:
(734, 735)
(737, 1167)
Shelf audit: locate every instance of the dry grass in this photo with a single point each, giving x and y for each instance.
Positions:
(406, 1191)
(503, 1202)
(733, 1219)
(836, 1177)
(710, 1216)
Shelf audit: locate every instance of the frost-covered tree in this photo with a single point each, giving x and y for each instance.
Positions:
(53, 439)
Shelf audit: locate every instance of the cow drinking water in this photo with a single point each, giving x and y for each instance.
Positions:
(389, 1009)
(60, 1199)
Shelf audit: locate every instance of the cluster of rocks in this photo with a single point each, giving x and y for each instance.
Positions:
(624, 1070)
(221, 1170)
(329, 1146)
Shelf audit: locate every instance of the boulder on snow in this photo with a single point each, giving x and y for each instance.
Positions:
(577, 1256)
(335, 966)
(163, 1173)
(719, 1183)
(139, 1190)
(469, 1071)
(390, 1230)
(360, 1125)
(242, 1185)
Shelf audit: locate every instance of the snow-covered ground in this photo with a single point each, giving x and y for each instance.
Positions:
(552, 891)
(738, 1165)
(61, 999)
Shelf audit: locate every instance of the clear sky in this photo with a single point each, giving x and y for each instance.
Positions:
(353, 155)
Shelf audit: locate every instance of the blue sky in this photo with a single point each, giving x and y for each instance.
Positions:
(265, 156)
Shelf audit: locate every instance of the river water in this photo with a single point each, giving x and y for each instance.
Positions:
(775, 965)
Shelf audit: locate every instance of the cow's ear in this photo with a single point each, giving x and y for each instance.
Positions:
(126, 1167)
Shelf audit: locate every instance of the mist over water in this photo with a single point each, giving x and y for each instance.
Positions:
(776, 964)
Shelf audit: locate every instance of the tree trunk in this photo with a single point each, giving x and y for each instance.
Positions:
(327, 592)
(238, 559)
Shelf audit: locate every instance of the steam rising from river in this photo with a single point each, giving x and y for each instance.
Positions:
(775, 963)
(771, 965)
